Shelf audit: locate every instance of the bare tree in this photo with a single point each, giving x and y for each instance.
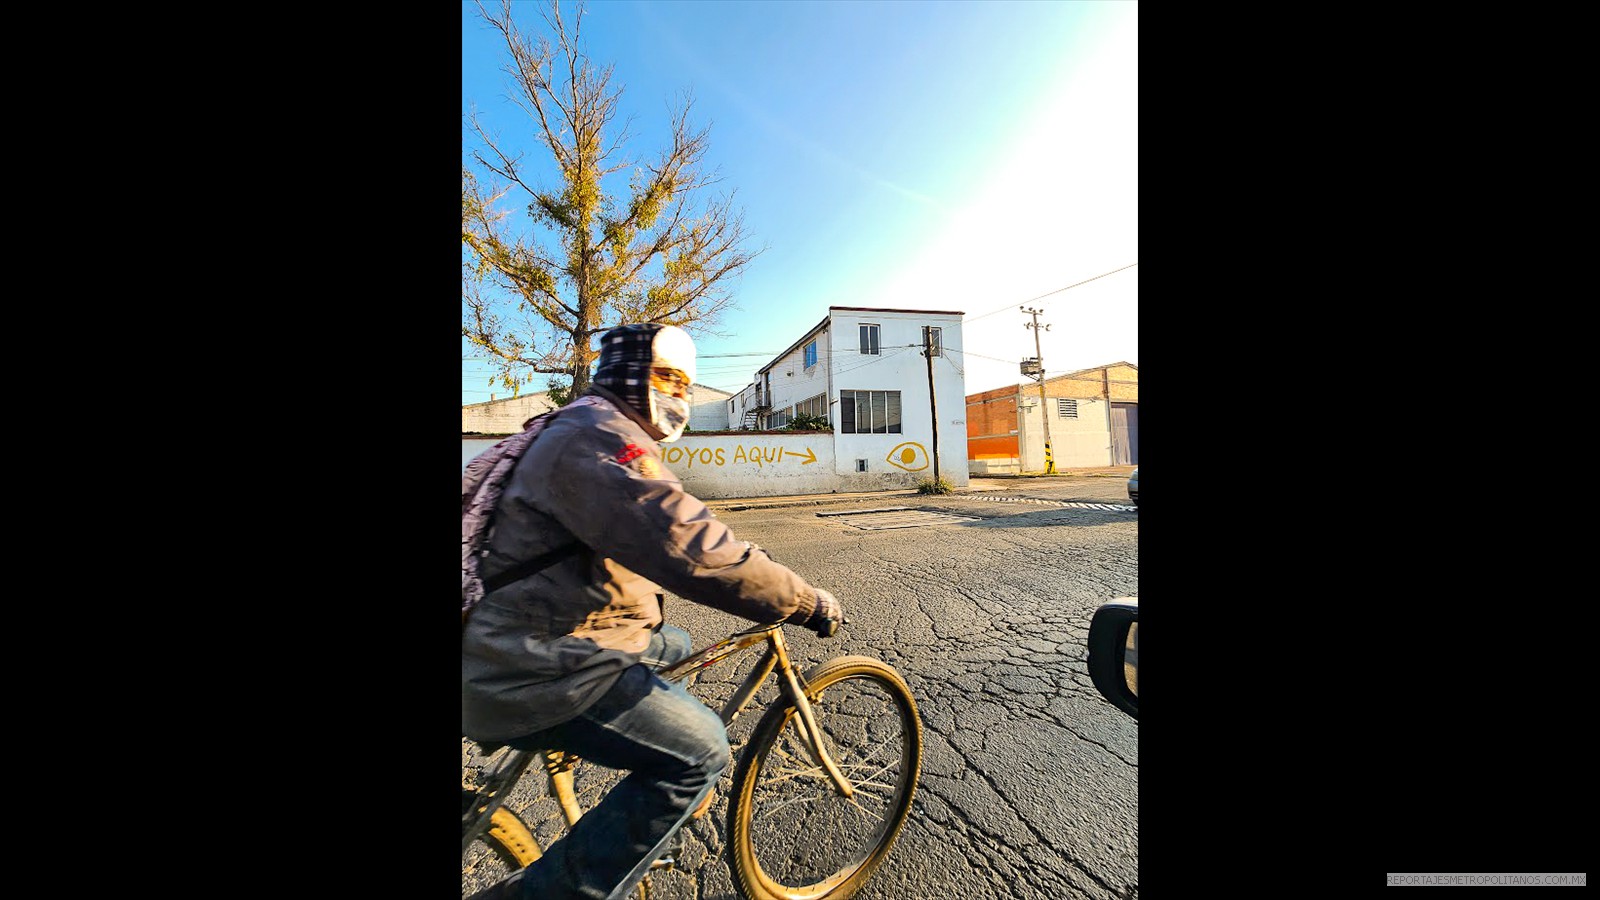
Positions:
(651, 254)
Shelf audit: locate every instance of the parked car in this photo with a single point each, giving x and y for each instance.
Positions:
(1114, 653)
(1133, 486)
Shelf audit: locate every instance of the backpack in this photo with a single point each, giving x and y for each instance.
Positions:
(482, 483)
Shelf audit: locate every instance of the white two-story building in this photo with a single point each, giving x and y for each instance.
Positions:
(864, 370)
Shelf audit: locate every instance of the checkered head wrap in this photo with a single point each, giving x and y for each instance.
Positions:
(625, 360)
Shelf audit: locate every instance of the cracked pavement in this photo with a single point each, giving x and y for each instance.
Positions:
(1030, 779)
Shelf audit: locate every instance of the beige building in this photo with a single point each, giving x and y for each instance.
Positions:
(1092, 419)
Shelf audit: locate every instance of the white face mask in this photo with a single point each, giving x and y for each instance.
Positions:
(668, 413)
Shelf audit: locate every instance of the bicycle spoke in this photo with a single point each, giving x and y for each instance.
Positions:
(862, 786)
(864, 811)
(868, 779)
(769, 808)
(815, 771)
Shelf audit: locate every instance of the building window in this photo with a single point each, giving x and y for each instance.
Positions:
(869, 412)
(815, 406)
(869, 340)
(781, 418)
(935, 341)
(811, 354)
(1067, 408)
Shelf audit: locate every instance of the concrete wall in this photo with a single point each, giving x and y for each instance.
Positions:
(503, 416)
(774, 463)
(983, 467)
(754, 464)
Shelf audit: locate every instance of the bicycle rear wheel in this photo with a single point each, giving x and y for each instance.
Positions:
(793, 836)
(502, 844)
(526, 810)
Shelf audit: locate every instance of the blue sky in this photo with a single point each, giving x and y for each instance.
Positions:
(966, 155)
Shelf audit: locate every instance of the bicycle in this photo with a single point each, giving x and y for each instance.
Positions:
(807, 819)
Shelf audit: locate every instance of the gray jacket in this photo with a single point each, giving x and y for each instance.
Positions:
(537, 652)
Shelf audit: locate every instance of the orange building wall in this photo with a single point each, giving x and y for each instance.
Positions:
(993, 448)
(992, 424)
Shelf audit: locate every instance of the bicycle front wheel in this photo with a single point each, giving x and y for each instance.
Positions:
(794, 837)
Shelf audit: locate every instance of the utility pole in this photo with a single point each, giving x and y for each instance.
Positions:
(1049, 460)
(933, 407)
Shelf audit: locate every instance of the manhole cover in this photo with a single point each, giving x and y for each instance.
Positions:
(894, 517)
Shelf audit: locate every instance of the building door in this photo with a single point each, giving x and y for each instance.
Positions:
(1124, 434)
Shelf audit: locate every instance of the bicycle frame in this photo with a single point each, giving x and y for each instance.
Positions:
(558, 765)
(776, 657)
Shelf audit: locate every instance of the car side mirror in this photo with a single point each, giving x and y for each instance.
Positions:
(1114, 653)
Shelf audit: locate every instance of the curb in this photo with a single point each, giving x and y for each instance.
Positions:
(776, 503)
(735, 504)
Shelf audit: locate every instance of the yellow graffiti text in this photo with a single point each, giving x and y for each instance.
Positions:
(755, 453)
(705, 456)
(758, 455)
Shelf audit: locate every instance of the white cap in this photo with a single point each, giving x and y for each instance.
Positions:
(674, 349)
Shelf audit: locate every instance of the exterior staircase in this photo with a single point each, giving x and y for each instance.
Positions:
(750, 420)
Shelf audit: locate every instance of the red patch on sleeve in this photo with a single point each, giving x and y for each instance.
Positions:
(630, 452)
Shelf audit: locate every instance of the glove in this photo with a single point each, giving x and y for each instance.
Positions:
(826, 615)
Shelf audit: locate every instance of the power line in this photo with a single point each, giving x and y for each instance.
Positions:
(981, 356)
(714, 370)
(874, 358)
(821, 355)
(1056, 291)
(1048, 376)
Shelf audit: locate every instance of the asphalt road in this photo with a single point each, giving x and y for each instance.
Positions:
(1030, 780)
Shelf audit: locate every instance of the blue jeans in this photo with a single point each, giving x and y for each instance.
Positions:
(674, 748)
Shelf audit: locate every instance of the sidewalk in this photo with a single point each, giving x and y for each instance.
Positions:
(976, 484)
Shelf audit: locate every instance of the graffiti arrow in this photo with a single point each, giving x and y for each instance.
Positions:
(811, 456)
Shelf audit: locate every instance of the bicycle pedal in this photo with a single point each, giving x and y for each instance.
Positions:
(669, 859)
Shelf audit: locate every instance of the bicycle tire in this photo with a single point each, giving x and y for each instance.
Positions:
(507, 836)
(504, 843)
(513, 838)
(793, 837)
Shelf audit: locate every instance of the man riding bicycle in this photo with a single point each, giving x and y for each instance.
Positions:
(565, 658)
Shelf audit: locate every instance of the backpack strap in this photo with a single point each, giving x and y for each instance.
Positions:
(524, 569)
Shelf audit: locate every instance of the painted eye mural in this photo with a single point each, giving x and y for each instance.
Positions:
(909, 456)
